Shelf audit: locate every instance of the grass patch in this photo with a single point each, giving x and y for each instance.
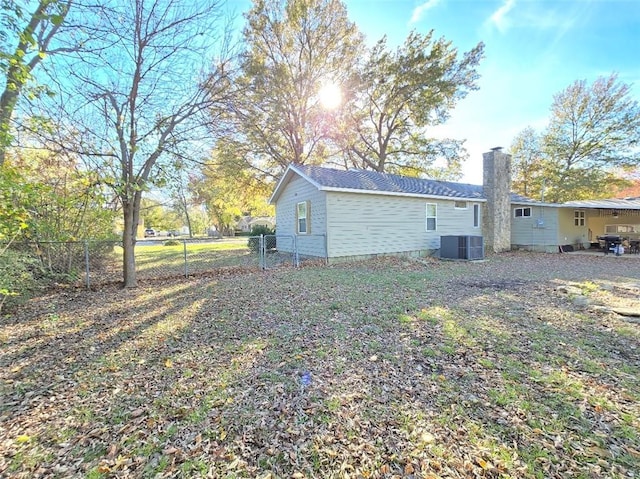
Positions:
(376, 369)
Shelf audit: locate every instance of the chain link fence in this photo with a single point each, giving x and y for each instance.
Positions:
(70, 261)
(280, 250)
(186, 257)
(93, 263)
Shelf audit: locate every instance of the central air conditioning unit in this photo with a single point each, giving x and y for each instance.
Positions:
(462, 247)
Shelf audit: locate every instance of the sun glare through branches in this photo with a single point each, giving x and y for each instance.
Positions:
(330, 96)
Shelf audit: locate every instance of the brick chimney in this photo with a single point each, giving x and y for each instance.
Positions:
(496, 181)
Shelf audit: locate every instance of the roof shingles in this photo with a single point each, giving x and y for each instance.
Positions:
(367, 180)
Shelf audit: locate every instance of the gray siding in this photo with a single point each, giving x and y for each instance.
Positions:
(539, 232)
(296, 191)
(369, 224)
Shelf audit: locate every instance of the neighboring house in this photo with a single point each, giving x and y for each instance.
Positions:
(338, 214)
(243, 224)
(247, 223)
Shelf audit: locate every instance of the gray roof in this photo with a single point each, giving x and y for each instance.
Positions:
(614, 204)
(372, 181)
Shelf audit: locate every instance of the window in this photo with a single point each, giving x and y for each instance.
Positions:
(621, 229)
(578, 218)
(522, 212)
(302, 217)
(460, 205)
(476, 216)
(432, 216)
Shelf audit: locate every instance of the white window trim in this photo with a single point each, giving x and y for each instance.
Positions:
(476, 207)
(579, 218)
(465, 207)
(523, 208)
(306, 217)
(427, 217)
(615, 229)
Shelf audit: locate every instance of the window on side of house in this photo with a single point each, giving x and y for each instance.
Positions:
(432, 217)
(460, 205)
(303, 217)
(578, 218)
(522, 212)
(476, 216)
(621, 229)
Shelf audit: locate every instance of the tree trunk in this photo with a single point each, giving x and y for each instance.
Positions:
(20, 68)
(184, 207)
(188, 220)
(129, 245)
(8, 102)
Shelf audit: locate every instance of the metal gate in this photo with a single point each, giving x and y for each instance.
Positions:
(281, 250)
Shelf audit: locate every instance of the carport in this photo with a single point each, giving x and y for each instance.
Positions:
(610, 222)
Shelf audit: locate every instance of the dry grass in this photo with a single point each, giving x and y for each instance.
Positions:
(392, 368)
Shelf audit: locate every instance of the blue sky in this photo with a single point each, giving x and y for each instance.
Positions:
(534, 49)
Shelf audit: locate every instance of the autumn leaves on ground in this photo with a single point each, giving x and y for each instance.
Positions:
(392, 368)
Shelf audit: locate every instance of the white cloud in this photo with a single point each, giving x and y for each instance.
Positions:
(540, 16)
(419, 11)
(499, 17)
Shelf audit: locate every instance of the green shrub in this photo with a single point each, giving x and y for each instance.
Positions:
(260, 230)
(18, 277)
(59, 261)
(254, 241)
(171, 242)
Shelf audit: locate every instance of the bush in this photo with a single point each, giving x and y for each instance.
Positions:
(59, 261)
(254, 242)
(17, 277)
(171, 242)
(54, 261)
(260, 230)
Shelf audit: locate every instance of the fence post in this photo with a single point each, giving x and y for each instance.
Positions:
(296, 256)
(186, 265)
(263, 252)
(86, 262)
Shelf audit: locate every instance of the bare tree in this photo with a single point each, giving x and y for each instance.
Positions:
(181, 199)
(136, 100)
(25, 40)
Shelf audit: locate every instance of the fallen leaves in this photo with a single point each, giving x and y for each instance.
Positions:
(389, 368)
(137, 413)
(23, 438)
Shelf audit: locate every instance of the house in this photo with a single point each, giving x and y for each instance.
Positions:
(349, 214)
(338, 214)
(247, 223)
(618, 217)
(553, 227)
